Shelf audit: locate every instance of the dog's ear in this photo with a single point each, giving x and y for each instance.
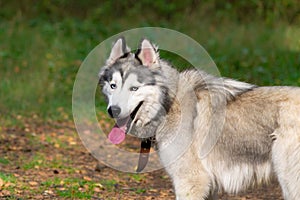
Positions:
(147, 53)
(118, 50)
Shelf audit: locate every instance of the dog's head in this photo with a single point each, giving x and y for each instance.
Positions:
(133, 85)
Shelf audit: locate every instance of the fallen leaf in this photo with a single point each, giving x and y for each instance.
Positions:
(17, 69)
(87, 178)
(5, 193)
(97, 189)
(1, 183)
(86, 186)
(8, 184)
(33, 183)
(62, 189)
(47, 192)
(99, 185)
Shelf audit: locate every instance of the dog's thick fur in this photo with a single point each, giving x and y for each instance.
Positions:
(212, 133)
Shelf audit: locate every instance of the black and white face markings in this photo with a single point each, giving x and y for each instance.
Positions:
(123, 84)
(134, 88)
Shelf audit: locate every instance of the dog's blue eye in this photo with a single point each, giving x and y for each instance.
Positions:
(113, 86)
(133, 88)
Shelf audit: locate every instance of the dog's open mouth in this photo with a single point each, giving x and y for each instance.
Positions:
(117, 134)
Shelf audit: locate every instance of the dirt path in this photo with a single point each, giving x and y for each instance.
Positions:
(48, 161)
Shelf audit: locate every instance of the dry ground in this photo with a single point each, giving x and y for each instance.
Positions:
(48, 161)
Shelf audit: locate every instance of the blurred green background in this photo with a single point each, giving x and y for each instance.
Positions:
(43, 42)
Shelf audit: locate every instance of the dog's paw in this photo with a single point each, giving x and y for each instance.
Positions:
(142, 123)
(139, 123)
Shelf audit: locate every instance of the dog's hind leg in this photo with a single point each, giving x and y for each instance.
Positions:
(286, 160)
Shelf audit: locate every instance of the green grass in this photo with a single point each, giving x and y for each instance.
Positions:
(39, 161)
(8, 179)
(140, 191)
(137, 177)
(4, 161)
(109, 184)
(74, 188)
(39, 56)
(38, 69)
(36, 161)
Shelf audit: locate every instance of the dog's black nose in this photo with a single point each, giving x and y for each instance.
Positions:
(114, 111)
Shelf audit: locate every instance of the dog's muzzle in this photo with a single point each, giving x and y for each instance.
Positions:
(114, 111)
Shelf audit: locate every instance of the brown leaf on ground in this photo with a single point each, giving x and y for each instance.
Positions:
(1, 183)
(33, 183)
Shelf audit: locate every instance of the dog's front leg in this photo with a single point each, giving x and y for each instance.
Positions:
(213, 194)
(190, 180)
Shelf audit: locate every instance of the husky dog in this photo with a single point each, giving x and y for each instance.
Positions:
(253, 132)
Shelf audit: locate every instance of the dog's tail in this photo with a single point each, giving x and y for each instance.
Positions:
(230, 88)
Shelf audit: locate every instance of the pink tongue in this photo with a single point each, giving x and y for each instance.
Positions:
(116, 135)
